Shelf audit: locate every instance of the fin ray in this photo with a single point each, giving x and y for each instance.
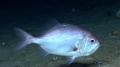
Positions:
(69, 60)
(49, 25)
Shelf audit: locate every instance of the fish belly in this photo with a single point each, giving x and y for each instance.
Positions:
(59, 46)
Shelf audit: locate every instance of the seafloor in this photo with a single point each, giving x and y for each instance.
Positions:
(102, 22)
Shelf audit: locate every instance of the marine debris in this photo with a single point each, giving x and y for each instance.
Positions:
(115, 31)
(2, 43)
(118, 13)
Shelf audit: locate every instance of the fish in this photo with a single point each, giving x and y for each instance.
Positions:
(68, 40)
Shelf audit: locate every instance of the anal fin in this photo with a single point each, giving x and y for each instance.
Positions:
(69, 60)
(42, 52)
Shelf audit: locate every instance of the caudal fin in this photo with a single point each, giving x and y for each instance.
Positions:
(24, 38)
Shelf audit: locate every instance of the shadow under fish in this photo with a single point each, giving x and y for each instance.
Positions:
(76, 65)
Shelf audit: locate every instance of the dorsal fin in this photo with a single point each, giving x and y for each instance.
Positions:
(52, 24)
(49, 25)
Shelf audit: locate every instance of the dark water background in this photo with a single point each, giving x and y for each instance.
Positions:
(14, 13)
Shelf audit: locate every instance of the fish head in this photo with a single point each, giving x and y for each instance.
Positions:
(87, 45)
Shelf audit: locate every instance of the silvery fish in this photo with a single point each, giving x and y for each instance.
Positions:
(63, 39)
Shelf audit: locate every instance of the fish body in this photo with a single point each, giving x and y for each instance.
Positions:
(64, 39)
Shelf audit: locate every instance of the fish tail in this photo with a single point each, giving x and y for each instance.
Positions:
(25, 38)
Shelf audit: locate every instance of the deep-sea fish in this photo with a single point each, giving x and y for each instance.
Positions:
(63, 39)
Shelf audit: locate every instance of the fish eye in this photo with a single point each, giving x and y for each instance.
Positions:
(92, 40)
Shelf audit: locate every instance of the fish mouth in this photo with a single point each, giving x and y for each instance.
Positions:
(94, 49)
